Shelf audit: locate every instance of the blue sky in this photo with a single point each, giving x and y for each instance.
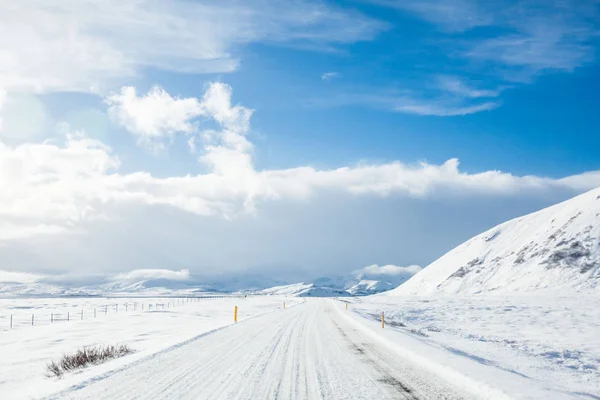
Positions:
(307, 137)
(542, 123)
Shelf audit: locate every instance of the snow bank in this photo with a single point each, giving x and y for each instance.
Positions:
(522, 344)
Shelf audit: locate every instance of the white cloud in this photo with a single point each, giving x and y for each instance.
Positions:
(146, 274)
(390, 270)
(52, 188)
(57, 188)
(329, 75)
(89, 46)
(158, 115)
(227, 152)
(153, 116)
(49, 188)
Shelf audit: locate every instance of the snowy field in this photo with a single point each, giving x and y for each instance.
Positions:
(164, 322)
(492, 347)
(553, 342)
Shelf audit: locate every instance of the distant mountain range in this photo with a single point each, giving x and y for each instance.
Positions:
(355, 284)
(358, 283)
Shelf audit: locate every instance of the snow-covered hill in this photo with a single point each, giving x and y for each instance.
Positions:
(556, 248)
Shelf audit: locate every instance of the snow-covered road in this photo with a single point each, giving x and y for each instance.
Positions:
(309, 351)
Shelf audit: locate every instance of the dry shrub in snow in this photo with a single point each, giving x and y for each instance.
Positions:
(84, 357)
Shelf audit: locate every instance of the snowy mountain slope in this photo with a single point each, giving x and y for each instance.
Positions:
(374, 279)
(555, 248)
(134, 283)
(146, 287)
(304, 290)
(140, 288)
(295, 289)
(34, 290)
(365, 287)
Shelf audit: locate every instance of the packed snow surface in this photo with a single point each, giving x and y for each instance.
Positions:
(556, 248)
(309, 351)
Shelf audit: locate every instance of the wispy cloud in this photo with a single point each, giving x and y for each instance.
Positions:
(449, 15)
(329, 75)
(443, 96)
(533, 53)
(459, 87)
(530, 35)
(444, 111)
(504, 43)
(81, 46)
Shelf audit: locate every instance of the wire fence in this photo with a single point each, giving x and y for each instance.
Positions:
(39, 313)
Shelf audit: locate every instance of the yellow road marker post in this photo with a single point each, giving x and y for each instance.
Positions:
(346, 306)
(235, 314)
(382, 320)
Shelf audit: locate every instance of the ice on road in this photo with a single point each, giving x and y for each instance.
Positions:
(310, 351)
